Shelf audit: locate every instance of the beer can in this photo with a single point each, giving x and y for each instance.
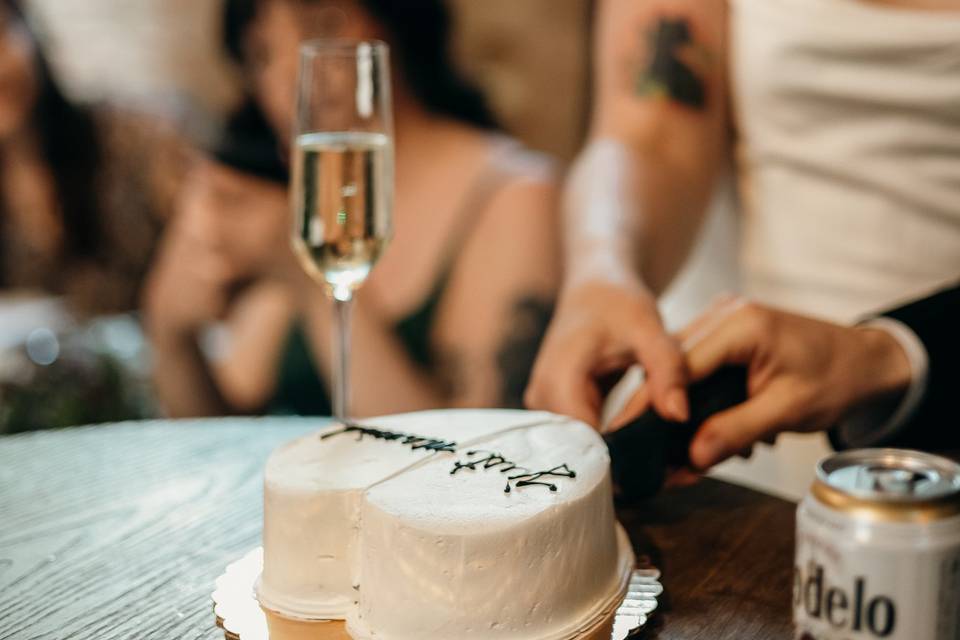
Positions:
(878, 548)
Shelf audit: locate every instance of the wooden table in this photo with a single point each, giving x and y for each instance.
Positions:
(118, 532)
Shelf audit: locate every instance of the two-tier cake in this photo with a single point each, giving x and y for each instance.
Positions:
(445, 524)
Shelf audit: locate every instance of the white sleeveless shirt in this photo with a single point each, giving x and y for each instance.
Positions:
(849, 152)
(848, 158)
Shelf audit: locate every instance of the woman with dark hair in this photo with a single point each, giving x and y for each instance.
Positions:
(83, 191)
(418, 30)
(455, 310)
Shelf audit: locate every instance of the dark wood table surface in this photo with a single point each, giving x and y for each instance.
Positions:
(118, 532)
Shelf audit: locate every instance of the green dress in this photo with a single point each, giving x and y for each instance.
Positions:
(300, 388)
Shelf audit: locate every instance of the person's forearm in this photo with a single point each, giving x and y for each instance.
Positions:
(631, 215)
(182, 379)
(637, 194)
(383, 378)
(600, 216)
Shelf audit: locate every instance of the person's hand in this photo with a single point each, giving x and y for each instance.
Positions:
(804, 375)
(189, 284)
(601, 327)
(247, 218)
(229, 230)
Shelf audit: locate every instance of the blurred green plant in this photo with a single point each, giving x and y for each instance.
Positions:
(79, 387)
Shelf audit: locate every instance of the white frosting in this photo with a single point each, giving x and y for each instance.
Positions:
(385, 536)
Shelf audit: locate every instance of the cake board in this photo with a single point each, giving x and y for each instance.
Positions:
(240, 616)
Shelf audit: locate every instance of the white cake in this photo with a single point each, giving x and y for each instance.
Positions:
(419, 538)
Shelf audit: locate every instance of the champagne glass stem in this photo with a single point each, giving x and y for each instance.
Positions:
(342, 306)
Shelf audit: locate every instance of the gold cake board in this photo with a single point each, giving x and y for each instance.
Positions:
(281, 628)
(241, 617)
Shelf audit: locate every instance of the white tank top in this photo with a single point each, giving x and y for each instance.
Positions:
(849, 163)
(849, 152)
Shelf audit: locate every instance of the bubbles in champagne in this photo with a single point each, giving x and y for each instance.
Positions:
(342, 205)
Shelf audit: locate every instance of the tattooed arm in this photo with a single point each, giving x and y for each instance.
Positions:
(635, 199)
(518, 351)
(500, 298)
(661, 113)
(521, 331)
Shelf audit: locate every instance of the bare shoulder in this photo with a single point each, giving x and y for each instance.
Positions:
(516, 239)
(526, 196)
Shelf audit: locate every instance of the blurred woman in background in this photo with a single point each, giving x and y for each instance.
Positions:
(83, 191)
(454, 312)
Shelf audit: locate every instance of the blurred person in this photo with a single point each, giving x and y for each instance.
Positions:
(454, 311)
(84, 191)
(808, 375)
(841, 116)
(214, 265)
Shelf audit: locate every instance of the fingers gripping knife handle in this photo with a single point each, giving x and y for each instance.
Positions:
(641, 452)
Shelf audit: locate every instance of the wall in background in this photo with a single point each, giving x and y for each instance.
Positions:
(161, 54)
(531, 55)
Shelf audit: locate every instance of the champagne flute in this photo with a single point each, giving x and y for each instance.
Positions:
(342, 178)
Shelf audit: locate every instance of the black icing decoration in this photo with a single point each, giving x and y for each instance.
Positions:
(414, 442)
(528, 478)
(533, 479)
(493, 460)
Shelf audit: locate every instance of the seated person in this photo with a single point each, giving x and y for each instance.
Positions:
(454, 312)
(84, 191)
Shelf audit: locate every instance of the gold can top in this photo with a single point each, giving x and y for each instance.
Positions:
(890, 484)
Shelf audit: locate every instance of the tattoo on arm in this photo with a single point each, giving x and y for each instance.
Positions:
(668, 73)
(450, 373)
(528, 325)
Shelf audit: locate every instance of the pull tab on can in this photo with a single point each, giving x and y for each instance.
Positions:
(891, 475)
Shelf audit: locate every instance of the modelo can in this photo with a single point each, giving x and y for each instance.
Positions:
(878, 548)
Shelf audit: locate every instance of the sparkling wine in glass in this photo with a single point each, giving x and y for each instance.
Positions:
(342, 178)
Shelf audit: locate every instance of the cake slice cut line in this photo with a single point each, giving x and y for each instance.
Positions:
(469, 443)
